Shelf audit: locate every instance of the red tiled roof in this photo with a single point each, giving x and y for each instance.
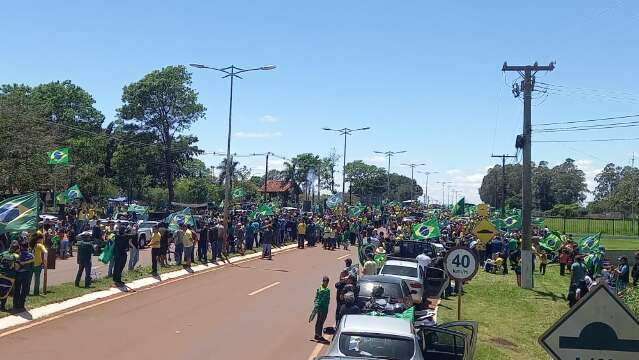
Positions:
(276, 186)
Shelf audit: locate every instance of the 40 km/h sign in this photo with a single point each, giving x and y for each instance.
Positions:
(461, 263)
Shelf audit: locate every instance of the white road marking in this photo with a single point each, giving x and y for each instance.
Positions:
(343, 256)
(264, 288)
(316, 351)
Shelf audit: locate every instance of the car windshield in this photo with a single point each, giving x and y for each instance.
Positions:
(399, 270)
(391, 290)
(147, 225)
(358, 345)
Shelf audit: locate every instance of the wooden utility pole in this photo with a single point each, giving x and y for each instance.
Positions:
(527, 72)
(503, 180)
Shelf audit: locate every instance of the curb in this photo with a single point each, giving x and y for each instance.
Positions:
(48, 310)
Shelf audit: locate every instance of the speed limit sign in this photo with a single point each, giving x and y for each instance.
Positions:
(461, 263)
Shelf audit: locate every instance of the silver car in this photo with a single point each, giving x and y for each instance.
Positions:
(364, 336)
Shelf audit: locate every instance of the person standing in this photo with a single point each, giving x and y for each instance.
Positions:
(578, 270)
(239, 234)
(623, 274)
(120, 248)
(370, 266)
(213, 236)
(267, 240)
(179, 245)
(202, 244)
(39, 262)
(164, 244)
(187, 241)
(156, 245)
(85, 251)
(635, 270)
(543, 262)
(134, 249)
(424, 261)
(24, 268)
(320, 308)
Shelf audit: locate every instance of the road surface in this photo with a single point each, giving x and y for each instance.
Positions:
(257, 309)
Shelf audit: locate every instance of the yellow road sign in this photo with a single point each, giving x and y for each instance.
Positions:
(484, 231)
(483, 210)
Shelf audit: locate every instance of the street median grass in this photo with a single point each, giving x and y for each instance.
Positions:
(510, 318)
(66, 291)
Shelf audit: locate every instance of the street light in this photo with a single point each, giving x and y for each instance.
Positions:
(427, 173)
(232, 72)
(443, 191)
(389, 154)
(345, 132)
(412, 173)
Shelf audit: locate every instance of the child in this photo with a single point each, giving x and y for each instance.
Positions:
(320, 309)
(543, 262)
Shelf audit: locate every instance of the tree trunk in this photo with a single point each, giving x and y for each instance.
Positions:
(169, 171)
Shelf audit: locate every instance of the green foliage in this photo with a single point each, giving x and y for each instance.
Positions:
(164, 104)
(566, 210)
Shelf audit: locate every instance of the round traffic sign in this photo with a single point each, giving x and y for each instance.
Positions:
(461, 263)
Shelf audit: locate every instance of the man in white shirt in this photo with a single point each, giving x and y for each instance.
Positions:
(370, 266)
(424, 261)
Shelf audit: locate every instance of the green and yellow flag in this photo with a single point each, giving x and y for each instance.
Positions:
(58, 156)
(178, 218)
(19, 213)
(426, 230)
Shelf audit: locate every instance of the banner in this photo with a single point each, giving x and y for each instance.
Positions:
(178, 218)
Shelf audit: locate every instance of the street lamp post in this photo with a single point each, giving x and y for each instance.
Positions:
(427, 173)
(443, 191)
(230, 72)
(389, 154)
(345, 132)
(412, 178)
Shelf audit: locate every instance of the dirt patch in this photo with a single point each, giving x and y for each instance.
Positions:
(504, 343)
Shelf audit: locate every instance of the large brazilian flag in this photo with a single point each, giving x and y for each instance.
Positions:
(19, 213)
(425, 230)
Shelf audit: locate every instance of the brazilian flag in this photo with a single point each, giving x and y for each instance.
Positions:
(355, 211)
(552, 242)
(261, 211)
(19, 213)
(238, 193)
(589, 244)
(513, 222)
(425, 230)
(178, 218)
(69, 195)
(58, 156)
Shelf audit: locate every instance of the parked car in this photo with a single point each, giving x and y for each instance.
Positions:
(409, 271)
(144, 232)
(395, 289)
(364, 337)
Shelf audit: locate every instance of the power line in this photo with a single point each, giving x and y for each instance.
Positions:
(584, 128)
(586, 140)
(589, 120)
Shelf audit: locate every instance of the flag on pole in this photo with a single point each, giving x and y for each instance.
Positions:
(19, 213)
(355, 211)
(69, 195)
(552, 241)
(178, 218)
(334, 201)
(589, 244)
(460, 208)
(58, 156)
(425, 230)
(513, 222)
(238, 193)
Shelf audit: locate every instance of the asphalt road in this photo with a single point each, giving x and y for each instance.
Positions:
(257, 309)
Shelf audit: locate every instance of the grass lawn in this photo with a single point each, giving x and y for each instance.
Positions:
(68, 290)
(620, 242)
(510, 318)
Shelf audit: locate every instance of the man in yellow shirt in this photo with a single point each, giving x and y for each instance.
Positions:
(154, 244)
(39, 262)
(301, 233)
(187, 241)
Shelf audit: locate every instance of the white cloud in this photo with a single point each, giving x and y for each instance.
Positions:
(590, 171)
(256, 135)
(453, 172)
(270, 119)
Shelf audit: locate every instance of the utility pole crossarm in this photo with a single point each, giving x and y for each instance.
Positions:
(534, 68)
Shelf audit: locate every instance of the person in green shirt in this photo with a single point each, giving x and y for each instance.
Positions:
(578, 270)
(320, 308)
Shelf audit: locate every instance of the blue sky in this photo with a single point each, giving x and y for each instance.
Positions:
(425, 76)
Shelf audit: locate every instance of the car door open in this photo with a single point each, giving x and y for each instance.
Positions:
(469, 328)
(442, 344)
(435, 282)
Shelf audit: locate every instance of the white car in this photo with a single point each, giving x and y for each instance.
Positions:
(410, 272)
(145, 228)
(382, 337)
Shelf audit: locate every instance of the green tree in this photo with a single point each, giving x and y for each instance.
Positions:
(607, 181)
(568, 183)
(164, 104)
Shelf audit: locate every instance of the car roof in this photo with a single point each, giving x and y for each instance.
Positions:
(380, 278)
(376, 325)
(411, 264)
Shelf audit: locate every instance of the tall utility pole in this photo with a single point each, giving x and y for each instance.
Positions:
(527, 72)
(389, 154)
(503, 180)
(427, 173)
(412, 178)
(443, 191)
(231, 72)
(345, 132)
(266, 155)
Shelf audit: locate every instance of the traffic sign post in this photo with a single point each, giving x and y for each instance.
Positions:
(462, 264)
(599, 326)
(485, 231)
